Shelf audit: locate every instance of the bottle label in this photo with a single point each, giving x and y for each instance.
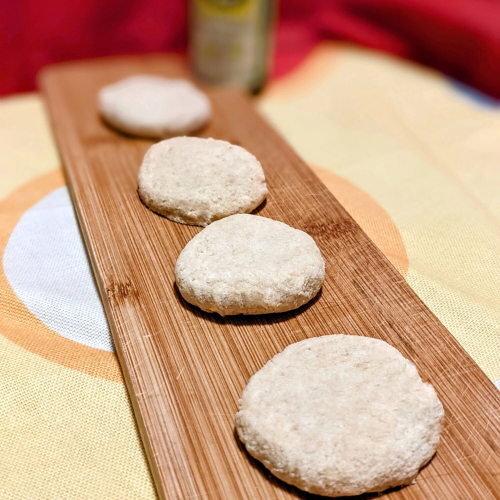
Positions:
(225, 6)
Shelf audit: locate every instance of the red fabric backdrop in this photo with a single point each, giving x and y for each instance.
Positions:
(459, 37)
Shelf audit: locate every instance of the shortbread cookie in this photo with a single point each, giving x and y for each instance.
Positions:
(197, 181)
(340, 415)
(154, 107)
(246, 264)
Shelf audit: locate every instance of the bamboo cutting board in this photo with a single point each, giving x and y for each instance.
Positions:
(186, 369)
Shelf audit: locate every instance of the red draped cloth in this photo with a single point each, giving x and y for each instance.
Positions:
(459, 37)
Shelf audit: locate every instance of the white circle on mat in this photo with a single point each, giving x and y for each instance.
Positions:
(46, 264)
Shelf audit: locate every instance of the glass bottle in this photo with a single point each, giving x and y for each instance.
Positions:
(231, 40)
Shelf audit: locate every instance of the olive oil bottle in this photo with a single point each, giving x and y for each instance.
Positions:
(231, 41)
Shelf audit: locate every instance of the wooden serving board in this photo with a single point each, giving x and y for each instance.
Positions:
(186, 369)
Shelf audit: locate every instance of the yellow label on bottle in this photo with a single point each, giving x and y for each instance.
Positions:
(223, 7)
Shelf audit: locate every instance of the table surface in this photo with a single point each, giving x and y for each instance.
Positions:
(412, 156)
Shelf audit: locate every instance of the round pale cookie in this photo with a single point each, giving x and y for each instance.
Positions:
(155, 107)
(197, 181)
(246, 264)
(340, 415)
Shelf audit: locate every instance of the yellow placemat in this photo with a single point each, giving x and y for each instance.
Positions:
(426, 154)
(413, 158)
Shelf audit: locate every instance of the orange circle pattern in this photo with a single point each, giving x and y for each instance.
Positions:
(17, 323)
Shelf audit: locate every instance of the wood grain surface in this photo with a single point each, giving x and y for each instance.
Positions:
(186, 369)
